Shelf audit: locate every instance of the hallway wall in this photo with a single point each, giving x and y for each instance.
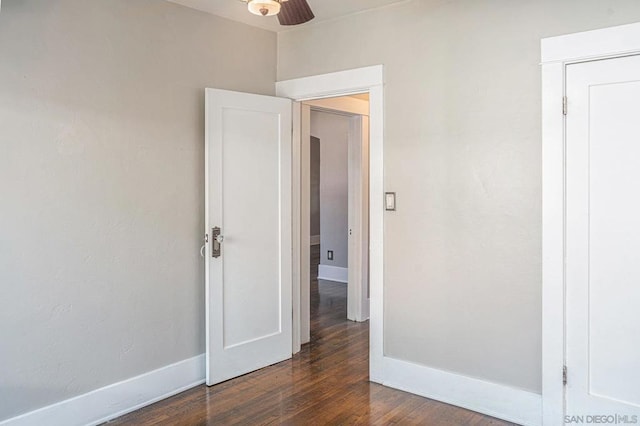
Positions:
(315, 176)
(333, 132)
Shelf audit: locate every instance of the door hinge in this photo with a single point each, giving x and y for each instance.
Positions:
(564, 375)
(565, 106)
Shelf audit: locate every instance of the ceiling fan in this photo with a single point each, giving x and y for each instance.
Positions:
(290, 12)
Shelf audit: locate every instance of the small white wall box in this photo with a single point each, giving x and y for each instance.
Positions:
(390, 201)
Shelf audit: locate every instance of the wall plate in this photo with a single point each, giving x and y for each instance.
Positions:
(390, 201)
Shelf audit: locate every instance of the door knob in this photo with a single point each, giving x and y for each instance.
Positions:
(216, 240)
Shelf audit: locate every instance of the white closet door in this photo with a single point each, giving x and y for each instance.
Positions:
(603, 238)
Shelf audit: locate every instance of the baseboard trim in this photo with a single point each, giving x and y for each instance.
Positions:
(315, 240)
(333, 273)
(500, 401)
(109, 402)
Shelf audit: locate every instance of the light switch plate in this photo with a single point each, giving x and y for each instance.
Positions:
(390, 201)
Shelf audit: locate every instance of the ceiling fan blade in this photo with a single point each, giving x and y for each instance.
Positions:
(295, 12)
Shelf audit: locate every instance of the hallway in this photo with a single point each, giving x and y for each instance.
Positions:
(326, 383)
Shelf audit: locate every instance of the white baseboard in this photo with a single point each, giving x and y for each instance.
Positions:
(120, 398)
(315, 240)
(500, 401)
(333, 273)
(109, 402)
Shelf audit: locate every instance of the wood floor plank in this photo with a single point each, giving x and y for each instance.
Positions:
(327, 383)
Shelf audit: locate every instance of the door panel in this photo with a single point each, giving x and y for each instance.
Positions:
(249, 198)
(603, 237)
(250, 311)
(358, 255)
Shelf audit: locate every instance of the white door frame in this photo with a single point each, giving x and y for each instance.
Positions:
(368, 79)
(557, 54)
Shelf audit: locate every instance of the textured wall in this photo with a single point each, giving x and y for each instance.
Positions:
(102, 186)
(463, 152)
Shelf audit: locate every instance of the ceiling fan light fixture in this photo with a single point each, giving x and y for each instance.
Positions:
(264, 7)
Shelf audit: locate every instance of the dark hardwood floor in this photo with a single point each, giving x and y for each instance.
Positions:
(325, 384)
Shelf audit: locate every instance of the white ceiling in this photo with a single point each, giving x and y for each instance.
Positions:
(323, 9)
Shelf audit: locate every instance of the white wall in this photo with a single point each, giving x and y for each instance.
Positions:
(102, 186)
(333, 132)
(463, 152)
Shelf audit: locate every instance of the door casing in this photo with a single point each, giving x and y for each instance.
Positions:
(557, 54)
(368, 79)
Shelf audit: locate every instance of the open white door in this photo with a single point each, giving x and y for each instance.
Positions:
(248, 198)
(358, 257)
(603, 240)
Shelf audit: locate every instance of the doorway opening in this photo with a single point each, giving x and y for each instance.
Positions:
(318, 88)
(338, 202)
